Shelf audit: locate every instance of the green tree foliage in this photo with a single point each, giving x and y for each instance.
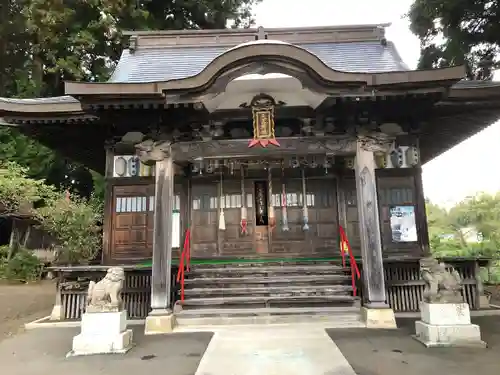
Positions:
(82, 39)
(46, 42)
(73, 222)
(471, 228)
(19, 193)
(456, 32)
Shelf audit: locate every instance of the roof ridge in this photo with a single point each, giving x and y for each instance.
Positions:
(296, 35)
(255, 30)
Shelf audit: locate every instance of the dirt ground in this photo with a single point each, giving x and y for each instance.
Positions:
(22, 303)
(494, 291)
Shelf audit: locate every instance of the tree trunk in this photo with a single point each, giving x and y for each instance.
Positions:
(14, 240)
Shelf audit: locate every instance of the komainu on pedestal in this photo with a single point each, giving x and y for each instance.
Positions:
(445, 317)
(105, 295)
(443, 283)
(104, 323)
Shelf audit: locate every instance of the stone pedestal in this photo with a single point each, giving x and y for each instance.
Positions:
(447, 325)
(381, 318)
(484, 302)
(159, 322)
(57, 313)
(103, 333)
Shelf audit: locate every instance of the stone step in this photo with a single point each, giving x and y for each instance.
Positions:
(281, 290)
(272, 270)
(348, 321)
(271, 311)
(266, 301)
(283, 279)
(332, 316)
(284, 263)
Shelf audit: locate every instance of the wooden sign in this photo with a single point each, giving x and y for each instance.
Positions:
(263, 122)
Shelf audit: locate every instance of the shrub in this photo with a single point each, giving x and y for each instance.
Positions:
(23, 266)
(74, 223)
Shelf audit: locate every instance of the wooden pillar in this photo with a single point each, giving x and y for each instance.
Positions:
(108, 206)
(160, 319)
(376, 311)
(421, 214)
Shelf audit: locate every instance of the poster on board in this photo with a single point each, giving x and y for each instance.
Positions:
(403, 224)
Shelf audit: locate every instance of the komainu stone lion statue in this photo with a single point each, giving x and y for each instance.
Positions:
(105, 295)
(443, 283)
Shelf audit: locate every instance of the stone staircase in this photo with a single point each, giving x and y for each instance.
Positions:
(267, 293)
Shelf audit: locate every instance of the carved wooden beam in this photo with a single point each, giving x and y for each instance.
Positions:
(336, 145)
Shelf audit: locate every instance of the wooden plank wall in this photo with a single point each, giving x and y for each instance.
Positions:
(393, 189)
(130, 218)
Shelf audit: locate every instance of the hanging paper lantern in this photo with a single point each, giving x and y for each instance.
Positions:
(120, 166)
(133, 166)
(413, 156)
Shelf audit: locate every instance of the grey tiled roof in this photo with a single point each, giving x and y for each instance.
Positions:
(150, 65)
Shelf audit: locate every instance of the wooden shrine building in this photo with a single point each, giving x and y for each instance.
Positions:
(260, 169)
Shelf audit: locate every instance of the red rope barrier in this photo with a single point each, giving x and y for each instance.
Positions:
(344, 242)
(185, 259)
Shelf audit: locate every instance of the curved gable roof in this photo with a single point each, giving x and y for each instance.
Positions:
(165, 64)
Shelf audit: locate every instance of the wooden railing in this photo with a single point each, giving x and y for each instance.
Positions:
(345, 246)
(184, 262)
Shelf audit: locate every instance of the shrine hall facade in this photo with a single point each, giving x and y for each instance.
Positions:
(261, 172)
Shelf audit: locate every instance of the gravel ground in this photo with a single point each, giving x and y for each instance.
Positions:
(22, 303)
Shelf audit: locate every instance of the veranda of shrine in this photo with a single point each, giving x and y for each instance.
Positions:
(282, 147)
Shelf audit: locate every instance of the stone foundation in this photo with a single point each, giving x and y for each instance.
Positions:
(103, 333)
(57, 313)
(447, 325)
(381, 318)
(158, 324)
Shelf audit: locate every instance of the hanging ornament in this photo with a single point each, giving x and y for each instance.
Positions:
(284, 214)
(349, 162)
(270, 218)
(222, 220)
(260, 202)
(389, 157)
(413, 156)
(243, 221)
(402, 160)
(304, 203)
(327, 164)
(263, 121)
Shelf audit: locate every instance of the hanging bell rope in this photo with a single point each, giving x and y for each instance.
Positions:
(270, 213)
(284, 213)
(243, 221)
(305, 210)
(222, 220)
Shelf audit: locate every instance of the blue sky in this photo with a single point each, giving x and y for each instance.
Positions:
(463, 170)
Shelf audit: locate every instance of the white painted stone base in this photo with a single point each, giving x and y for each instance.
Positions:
(433, 336)
(445, 313)
(447, 325)
(57, 313)
(378, 318)
(103, 333)
(484, 302)
(159, 324)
